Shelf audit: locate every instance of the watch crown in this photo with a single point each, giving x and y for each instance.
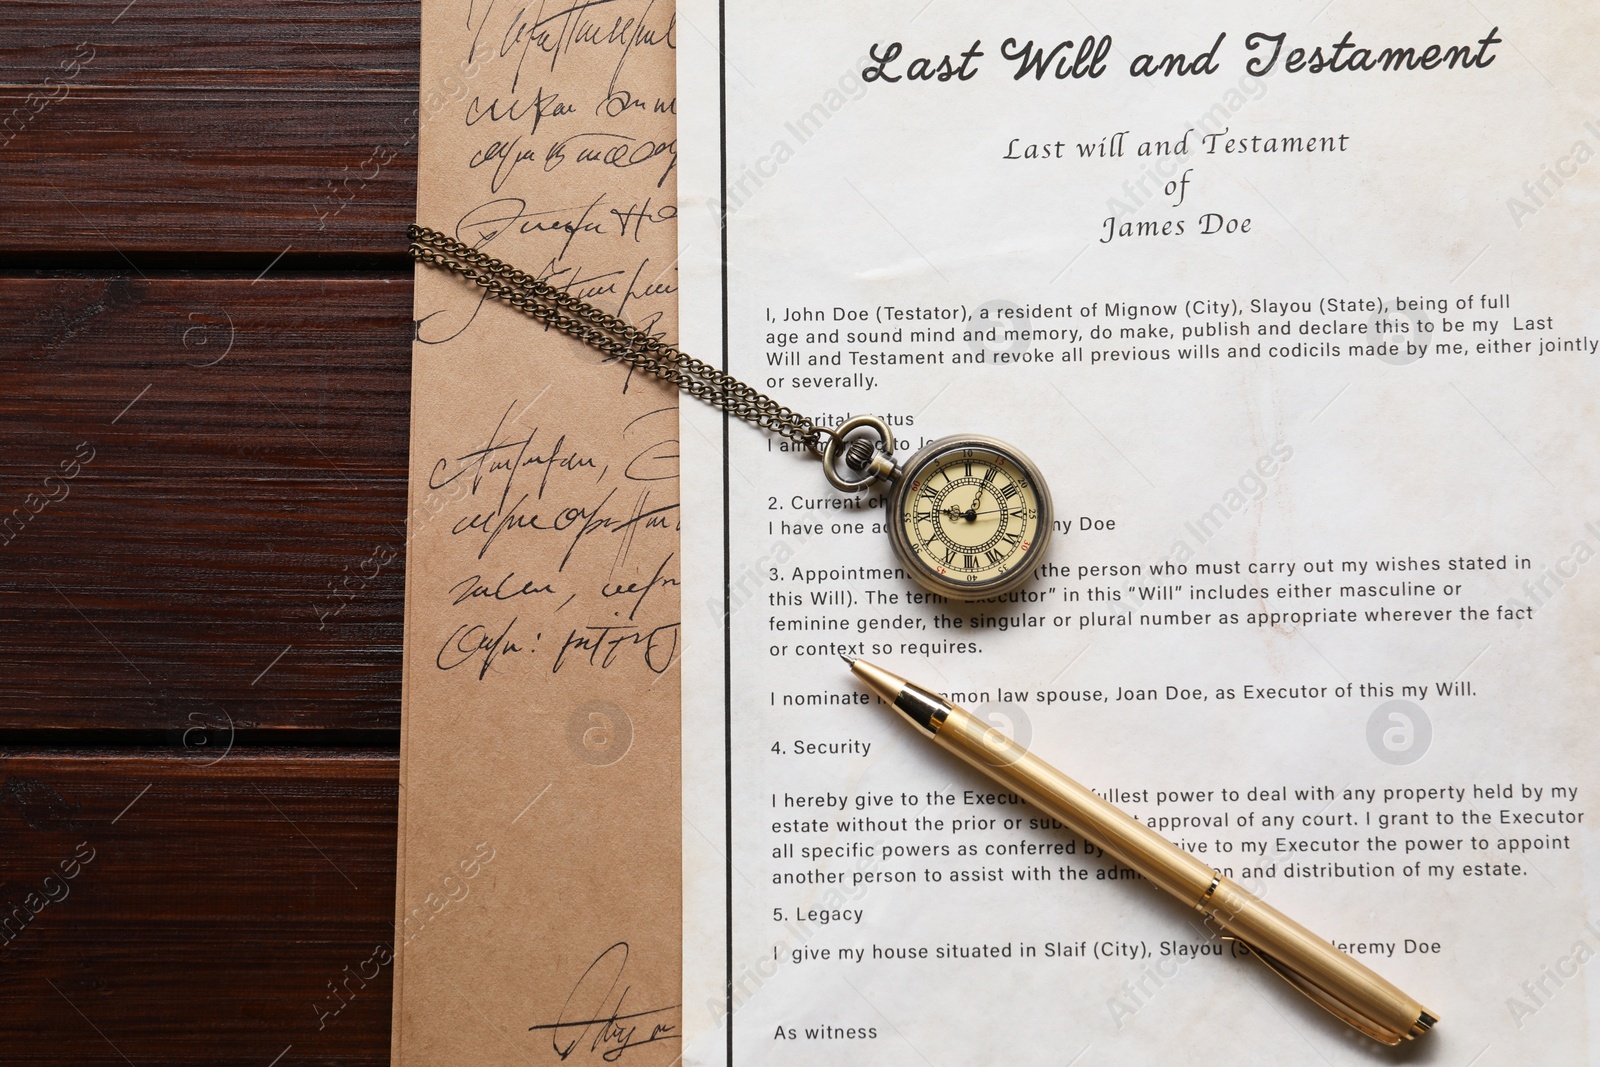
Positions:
(858, 457)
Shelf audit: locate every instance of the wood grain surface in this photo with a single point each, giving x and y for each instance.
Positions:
(204, 376)
(181, 126)
(213, 909)
(232, 545)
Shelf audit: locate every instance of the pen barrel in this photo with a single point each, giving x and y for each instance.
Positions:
(1340, 984)
(1086, 814)
(1343, 985)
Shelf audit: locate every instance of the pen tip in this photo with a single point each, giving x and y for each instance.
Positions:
(847, 659)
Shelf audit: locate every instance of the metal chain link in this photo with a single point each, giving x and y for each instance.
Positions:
(613, 336)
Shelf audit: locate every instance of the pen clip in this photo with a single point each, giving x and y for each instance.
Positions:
(1323, 999)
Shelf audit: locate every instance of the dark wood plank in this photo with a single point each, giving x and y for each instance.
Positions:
(182, 126)
(227, 460)
(211, 910)
(198, 43)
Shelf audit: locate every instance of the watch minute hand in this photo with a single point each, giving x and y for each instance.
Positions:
(978, 496)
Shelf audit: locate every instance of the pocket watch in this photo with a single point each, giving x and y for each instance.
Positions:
(968, 516)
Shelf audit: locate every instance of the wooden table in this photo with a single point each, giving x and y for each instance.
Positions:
(204, 367)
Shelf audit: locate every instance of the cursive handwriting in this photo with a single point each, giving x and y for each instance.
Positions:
(604, 643)
(480, 226)
(597, 523)
(496, 464)
(504, 589)
(494, 523)
(496, 457)
(543, 107)
(574, 278)
(633, 33)
(569, 279)
(657, 461)
(654, 287)
(591, 1016)
(613, 150)
(621, 101)
(555, 34)
(636, 215)
(505, 155)
(471, 640)
(606, 288)
(657, 581)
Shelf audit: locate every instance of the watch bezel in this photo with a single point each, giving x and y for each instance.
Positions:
(914, 563)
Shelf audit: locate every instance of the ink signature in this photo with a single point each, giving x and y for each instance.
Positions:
(592, 1021)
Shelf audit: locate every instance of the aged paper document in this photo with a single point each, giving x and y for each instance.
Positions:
(538, 898)
(1295, 308)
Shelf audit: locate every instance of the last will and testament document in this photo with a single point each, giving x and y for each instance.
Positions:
(1295, 307)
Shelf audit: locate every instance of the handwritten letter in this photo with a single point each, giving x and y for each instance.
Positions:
(542, 621)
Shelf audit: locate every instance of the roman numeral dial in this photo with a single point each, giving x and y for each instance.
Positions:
(970, 517)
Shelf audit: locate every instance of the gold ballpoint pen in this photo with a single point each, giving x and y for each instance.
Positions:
(1346, 988)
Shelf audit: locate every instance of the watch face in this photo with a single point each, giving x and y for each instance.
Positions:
(970, 517)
